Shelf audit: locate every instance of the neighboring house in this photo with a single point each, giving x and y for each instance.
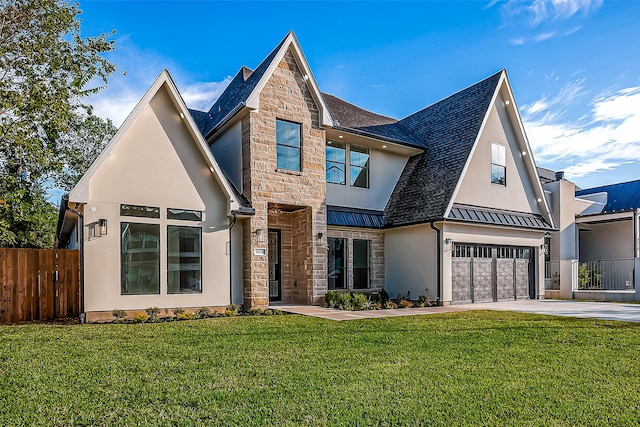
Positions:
(292, 192)
(595, 253)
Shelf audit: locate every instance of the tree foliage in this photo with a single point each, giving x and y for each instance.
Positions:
(47, 69)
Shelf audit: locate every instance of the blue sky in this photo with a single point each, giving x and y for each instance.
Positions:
(574, 64)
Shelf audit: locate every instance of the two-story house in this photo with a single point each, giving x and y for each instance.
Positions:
(280, 192)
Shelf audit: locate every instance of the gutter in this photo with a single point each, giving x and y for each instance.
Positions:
(225, 119)
(233, 222)
(438, 261)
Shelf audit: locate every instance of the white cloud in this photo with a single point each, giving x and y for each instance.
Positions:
(603, 139)
(202, 95)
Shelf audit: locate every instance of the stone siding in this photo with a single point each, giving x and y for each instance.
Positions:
(287, 97)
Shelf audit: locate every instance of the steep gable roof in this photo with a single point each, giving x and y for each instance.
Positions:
(244, 89)
(448, 130)
(80, 192)
(621, 197)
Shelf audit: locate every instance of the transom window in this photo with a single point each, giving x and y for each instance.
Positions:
(140, 211)
(359, 166)
(498, 164)
(288, 145)
(184, 214)
(336, 162)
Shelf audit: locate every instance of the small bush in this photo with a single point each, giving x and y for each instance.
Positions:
(331, 299)
(390, 305)
(202, 313)
(358, 301)
(405, 303)
(183, 315)
(423, 301)
(384, 296)
(344, 301)
(178, 311)
(375, 306)
(231, 310)
(118, 316)
(255, 311)
(140, 318)
(153, 313)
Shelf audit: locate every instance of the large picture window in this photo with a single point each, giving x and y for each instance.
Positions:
(336, 162)
(359, 166)
(184, 259)
(337, 263)
(139, 258)
(361, 264)
(288, 146)
(498, 164)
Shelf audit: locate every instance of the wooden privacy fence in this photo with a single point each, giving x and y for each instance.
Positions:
(39, 284)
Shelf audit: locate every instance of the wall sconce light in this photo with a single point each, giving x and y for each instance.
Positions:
(448, 242)
(102, 223)
(320, 236)
(545, 246)
(259, 234)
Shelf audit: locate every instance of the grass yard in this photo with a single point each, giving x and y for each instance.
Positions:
(482, 368)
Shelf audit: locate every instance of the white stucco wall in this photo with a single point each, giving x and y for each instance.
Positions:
(410, 261)
(385, 170)
(476, 188)
(156, 163)
(227, 150)
(612, 240)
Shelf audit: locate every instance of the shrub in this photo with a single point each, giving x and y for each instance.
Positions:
(140, 318)
(118, 316)
(423, 301)
(404, 303)
(384, 296)
(255, 311)
(375, 306)
(178, 311)
(231, 310)
(331, 299)
(358, 301)
(390, 305)
(183, 315)
(344, 301)
(202, 313)
(153, 313)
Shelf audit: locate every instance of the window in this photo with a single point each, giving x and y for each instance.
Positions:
(336, 162)
(337, 263)
(288, 145)
(184, 260)
(140, 211)
(139, 258)
(498, 164)
(184, 214)
(359, 166)
(361, 264)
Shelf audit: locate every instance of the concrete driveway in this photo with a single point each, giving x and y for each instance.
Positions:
(589, 310)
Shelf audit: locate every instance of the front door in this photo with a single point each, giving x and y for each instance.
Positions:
(275, 275)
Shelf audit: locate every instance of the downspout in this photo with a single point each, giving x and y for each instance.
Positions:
(438, 261)
(81, 240)
(235, 219)
(636, 234)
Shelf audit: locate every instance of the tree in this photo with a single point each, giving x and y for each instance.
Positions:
(47, 69)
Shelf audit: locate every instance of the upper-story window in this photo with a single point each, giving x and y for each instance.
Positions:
(359, 166)
(498, 164)
(336, 162)
(288, 145)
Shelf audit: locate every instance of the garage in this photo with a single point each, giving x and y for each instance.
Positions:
(487, 273)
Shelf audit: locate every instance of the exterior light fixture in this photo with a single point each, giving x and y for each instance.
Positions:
(507, 102)
(102, 223)
(340, 136)
(384, 146)
(524, 153)
(306, 76)
(320, 236)
(539, 200)
(260, 234)
(182, 115)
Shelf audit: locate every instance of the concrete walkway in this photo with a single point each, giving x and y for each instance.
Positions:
(589, 310)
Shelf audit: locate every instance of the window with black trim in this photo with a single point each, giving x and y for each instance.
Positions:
(184, 214)
(498, 164)
(288, 145)
(184, 260)
(336, 162)
(139, 258)
(140, 211)
(359, 166)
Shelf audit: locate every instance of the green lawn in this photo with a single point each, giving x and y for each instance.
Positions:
(489, 368)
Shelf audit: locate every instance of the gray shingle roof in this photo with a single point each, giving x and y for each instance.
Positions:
(448, 130)
(234, 96)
